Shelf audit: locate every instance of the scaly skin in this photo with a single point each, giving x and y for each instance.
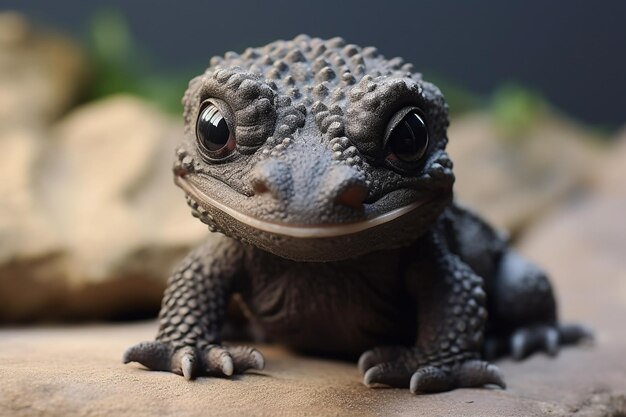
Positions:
(336, 241)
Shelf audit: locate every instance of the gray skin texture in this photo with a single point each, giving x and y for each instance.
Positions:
(328, 243)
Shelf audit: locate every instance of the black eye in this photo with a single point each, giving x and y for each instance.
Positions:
(408, 140)
(213, 133)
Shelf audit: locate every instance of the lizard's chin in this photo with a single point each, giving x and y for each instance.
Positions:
(318, 242)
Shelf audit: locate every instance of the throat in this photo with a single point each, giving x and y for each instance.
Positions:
(340, 308)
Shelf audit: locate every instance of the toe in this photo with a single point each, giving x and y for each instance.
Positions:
(479, 373)
(153, 355)
(217, 360)
(258, 360)
(527, 341)
(227, 365)
(573, 333)
(431, 379)
(366, 361)
(380, 355)
(184, 363)
(551, 341)
(245, 358)
(392, 374)
(521, 344)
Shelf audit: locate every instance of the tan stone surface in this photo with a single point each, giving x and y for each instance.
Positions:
(610, 180)
(77, 372)
(90, 221)
(41, 73)
(513, 181)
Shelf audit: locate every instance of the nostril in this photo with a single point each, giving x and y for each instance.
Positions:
(352, 196)
(273, 178)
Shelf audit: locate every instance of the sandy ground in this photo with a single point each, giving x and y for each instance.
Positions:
(77, 371)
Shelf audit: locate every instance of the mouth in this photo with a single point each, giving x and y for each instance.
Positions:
(300, 231)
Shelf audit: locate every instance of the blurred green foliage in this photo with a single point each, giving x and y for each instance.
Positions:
(516, 109)
(119, 65)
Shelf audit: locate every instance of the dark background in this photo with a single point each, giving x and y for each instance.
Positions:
(571, 52)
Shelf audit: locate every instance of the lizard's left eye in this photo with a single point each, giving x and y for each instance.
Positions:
(407, 137)
(213, 134)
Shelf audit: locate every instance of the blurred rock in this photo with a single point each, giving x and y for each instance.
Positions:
(24, 227)
(582, 247)
(512, 181)
(91, 221)
(611, 176)
(41, 74)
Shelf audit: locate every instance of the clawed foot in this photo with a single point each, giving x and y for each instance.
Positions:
(401, 367)
(528, 340)
(190, 362)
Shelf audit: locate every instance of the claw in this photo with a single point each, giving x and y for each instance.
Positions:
(380, 355)
(227, 365)
(408, 369)
(183, 362)
(551, 341)
(218, 360)
(246, 358)
(259, 360)
(372, 376)
(430, 379)
(528, 340)
(541, 338)
(479, 373)
(573, 333)
(389, 373)
(519, 344)
(187, 365)
(366, 361)
(153, 355)
(189, 362)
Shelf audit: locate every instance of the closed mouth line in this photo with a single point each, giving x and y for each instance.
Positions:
(299, 231)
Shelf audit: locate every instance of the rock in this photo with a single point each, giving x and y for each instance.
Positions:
(582, 246)
(512, 181)
(92, 223)
(41, 73)
(610, 178)
(23, 224)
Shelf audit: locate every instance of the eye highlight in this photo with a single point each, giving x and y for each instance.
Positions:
(407, 140)
(213, 134)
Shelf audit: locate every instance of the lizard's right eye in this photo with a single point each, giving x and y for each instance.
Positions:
(214, 137)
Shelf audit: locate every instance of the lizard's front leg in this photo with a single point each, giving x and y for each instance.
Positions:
(192, 315)
(451, 320)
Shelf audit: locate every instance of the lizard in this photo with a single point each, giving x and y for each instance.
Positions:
(322, 166)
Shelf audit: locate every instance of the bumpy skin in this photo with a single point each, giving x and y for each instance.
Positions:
(332, 249)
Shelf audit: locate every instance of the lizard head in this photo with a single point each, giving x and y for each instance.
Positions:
(314, 150)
